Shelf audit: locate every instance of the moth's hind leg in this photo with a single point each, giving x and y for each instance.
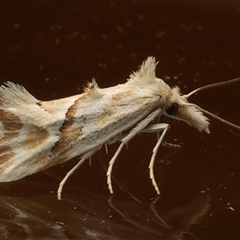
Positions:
(111, 163)
(82, 160)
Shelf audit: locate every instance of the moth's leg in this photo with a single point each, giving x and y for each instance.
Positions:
(158, 128)
(155, 128)
(170, 145)
(111, 163)
(84, 157)
(106, 148)
(140, 126)
(149, 129)
(164, 128)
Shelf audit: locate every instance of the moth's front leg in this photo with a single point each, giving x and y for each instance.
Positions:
(156, 128)
(124, 141)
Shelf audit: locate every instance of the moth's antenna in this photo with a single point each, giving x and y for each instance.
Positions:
(207, 112)
(211, 86)
(214, 116)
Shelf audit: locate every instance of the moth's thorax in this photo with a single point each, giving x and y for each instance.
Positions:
(165, 91)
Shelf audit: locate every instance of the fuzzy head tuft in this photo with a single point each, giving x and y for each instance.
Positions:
(145, 78)
(146, 72)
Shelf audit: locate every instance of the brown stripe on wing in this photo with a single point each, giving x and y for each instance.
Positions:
(68, 132)
(8, 136)
(34, 137)
(11, 126)
(5, 149)
(10, 121)
(6, 157)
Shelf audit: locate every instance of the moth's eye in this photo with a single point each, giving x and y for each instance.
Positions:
(173, 109)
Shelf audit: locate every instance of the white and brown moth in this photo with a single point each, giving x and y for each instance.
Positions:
(35, 135)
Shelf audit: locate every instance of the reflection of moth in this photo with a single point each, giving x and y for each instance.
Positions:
(35, 135)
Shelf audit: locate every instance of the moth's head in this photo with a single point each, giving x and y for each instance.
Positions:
(179, 108)
(176, 105)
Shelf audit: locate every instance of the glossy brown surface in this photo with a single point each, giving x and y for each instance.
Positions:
(53, 49)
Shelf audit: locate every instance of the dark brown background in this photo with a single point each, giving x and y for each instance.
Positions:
(54, 48)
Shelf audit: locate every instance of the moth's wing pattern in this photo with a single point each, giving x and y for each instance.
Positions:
(27, 133)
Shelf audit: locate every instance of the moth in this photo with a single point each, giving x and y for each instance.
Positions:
(35, 134)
